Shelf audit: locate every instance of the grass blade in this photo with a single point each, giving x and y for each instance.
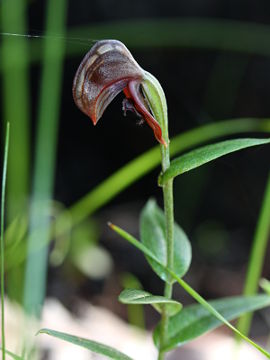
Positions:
(163, 33)
(146, 162)
(11, 354)
(3, 193)
(186, 287)
(36, 267)
(142, 165)
(257, 256)
(87, 344)
(195, 320)
(205, 154)
(15, 59)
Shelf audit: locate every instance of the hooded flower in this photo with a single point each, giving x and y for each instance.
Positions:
(106, 70)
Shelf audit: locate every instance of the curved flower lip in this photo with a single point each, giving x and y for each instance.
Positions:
(105, 97)
(133, 92)
(106, 70)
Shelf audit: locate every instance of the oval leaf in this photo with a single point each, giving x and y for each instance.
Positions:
(133, 296)
(87, 344)
(195, 320)
(206, 305)
(205, 154)
(152, 231)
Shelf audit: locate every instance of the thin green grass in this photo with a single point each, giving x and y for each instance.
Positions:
(12, 355)
(143, 164)
(3, 193)
(132, 240)
(15, 58)
(111, 187)
(196, 33)
(257, 256)
(135, 170)
(44, 164)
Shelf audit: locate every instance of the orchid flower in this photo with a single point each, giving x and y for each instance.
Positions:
(106, 70)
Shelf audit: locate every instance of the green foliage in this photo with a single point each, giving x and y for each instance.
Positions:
(133, 296)
(186, 287)
(153, 236)
(163, 33)
(87, 344)
(257, 256)
(15, 62)
(195, 320)
(45, 157)
(130, 173)
(143, 164)
(205, 154)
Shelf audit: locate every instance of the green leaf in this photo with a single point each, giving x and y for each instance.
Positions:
(152, 232)
(186, 287)
(143, 164)
(205, 154)
(195, 320)
(94, 346)
(133, 296)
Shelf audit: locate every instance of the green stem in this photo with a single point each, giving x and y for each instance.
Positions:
(257, 256)
(135, 170)
(146, 162)
(185, 286)
(169, 218)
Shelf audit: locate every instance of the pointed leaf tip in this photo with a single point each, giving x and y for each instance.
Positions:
(91, 345)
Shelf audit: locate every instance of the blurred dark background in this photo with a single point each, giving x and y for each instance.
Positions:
(218, 204)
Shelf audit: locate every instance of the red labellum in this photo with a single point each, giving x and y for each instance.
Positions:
(106, 70)
(133, 92)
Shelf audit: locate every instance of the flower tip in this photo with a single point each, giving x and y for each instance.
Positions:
(158, 134)
(93, 119)
(112, 226)
(163, 142)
